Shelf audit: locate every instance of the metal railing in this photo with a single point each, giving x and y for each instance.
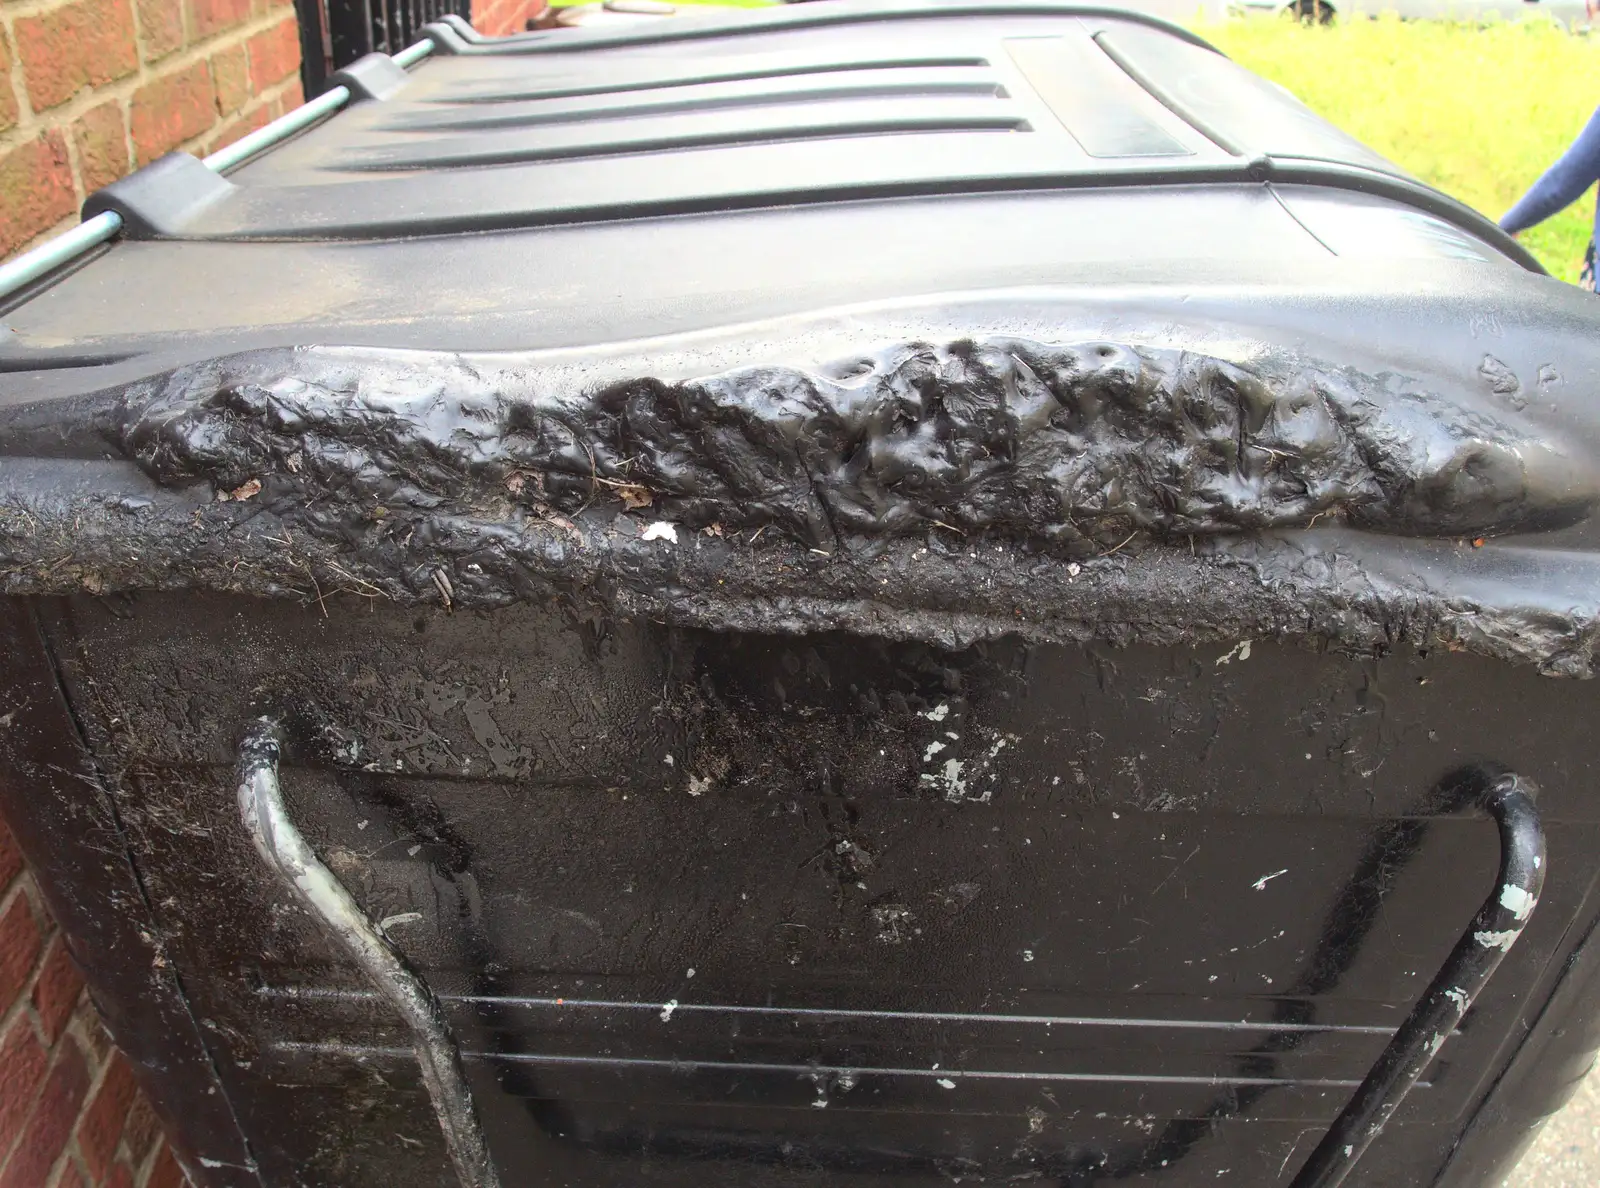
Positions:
(334, 33)
(91, 233)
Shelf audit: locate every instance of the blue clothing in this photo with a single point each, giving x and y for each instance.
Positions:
(1562, 184)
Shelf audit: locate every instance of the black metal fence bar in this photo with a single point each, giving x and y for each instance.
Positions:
(334, 33)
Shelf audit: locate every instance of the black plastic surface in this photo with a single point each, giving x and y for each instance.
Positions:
(956, 172)
(1150, 941)
(162, 200)
(375, 76)
(911, 513)
(445, 37)
(821, 103)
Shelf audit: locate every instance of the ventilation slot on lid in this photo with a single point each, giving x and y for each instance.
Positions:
(881, 85)
(715, 130)
(790, 68)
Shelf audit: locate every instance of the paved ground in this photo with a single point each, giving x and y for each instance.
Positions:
(1567, 1152)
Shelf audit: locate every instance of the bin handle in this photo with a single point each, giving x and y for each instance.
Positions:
(1499, 922)
(297, 866)
(1509, 798)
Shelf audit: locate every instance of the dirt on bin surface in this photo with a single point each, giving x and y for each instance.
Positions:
(1567, 1152)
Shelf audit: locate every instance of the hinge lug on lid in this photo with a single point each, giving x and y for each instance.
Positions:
(163, 199)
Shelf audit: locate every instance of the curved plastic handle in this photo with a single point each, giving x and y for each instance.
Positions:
(294, 862)
(1496, 927)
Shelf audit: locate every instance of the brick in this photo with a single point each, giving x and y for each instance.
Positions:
(121, 1177)
(91, 1032)
(171, 110)
(10, 853)
(235, 128)
(100, 1128)
(292, 97)
(213, 16)
(505, 16)
(35, 194)
(85, 44)
(161, 22)
(230, 69)
(56, 990)
(8, 113)
(20, 941)
(69, 1176)
(140, 1131)
(165, 1172)
(274, 53)
(23, 1062)
(50, 1126)
(101, 135)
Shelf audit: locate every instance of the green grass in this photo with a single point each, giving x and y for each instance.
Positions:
(1478, 111)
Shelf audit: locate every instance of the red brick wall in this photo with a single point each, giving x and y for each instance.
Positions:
(91, 89)
(70, 1113)
(496, 18)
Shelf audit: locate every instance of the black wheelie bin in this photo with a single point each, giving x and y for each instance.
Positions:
(863, 594)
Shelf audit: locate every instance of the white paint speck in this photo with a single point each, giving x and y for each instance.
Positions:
(660, 530)
(820, 1104)
(698, 786)
(689, 974)
(1458, 996)
(951, 778)
(933, 749)
(1239, 651)
(946, 1083)
(1027, 954)
(362, 824)
(1497, 940)
(1261, 883)
(667, 1009)
(1516, 901)
(938, 713)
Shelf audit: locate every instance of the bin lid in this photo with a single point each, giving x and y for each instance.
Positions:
(567, 186)
(872, 275)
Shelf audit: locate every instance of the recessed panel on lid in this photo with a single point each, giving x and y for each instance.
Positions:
(1100, 105)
